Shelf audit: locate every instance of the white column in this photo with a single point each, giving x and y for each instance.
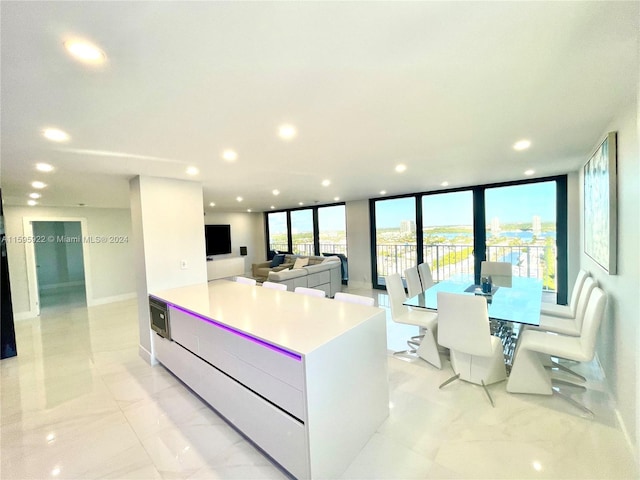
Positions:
(167, 220)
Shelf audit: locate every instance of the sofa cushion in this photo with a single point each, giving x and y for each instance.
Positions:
(278, 259)
(301, 262)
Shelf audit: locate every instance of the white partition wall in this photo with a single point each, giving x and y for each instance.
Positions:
(168, 241)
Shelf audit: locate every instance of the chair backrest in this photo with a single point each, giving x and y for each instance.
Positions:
(313, 292)
(426, 278)
(500, 272)
(414, 286)
(274, 285)
(351, 298)
(585, 293)
(592, 320)
(395, 289)
(463, 324)
(248, 281)
(577, 288)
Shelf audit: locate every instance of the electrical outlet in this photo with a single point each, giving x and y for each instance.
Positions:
(183, 264)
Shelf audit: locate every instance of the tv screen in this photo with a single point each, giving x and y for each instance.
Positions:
(218, 239)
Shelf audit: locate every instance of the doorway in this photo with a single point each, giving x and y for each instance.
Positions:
(59, 259)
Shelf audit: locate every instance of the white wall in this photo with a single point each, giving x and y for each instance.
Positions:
(358, 244)
(109, 263)
(247, 230)
(168, 241)
(618, 344)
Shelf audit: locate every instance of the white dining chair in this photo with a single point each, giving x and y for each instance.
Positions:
(566, 311)
(426, 277)
(501, 273)
(463, 327)
(313, 292)
(274, 285)
(426, 348)
(529, 375)
(246, 281)
(414, 287)
(351, 298)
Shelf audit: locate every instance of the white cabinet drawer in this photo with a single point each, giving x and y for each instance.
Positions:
(288, 367)
(278, 434)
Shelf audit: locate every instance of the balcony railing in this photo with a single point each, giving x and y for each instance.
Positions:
(307, 248)
(446, 261)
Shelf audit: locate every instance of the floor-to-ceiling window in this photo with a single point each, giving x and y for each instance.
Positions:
(308, 231)
(332, 230)
(395, 234)
(453, 231)
(523, 232)
(278, 229)
(302, 232)
(447, 233)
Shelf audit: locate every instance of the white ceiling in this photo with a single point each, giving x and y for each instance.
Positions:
(443, 87)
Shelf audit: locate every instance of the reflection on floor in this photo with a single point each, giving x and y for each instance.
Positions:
(63, 297)
(78, 402)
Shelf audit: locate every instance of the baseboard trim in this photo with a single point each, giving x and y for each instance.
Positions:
(115, 298)
(147, 356)
(54, 286)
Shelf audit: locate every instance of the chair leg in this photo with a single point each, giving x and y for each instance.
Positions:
(559, 366)
(556, 391)
(488, 394)
(557, 381)
(452, 379)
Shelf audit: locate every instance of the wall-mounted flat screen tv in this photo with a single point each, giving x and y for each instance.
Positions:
(218, 239)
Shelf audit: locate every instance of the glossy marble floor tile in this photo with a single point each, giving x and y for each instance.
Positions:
(79, 403)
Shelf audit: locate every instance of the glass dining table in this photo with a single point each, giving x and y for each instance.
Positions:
(509, 308)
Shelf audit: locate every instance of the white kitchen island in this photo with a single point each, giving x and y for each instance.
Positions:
(304, 378)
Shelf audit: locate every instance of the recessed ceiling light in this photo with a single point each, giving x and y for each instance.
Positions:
(239, 199)
(85, 51)
(272, 207)
(44, 167)
(276, 191)
(192, 171)
(34, 195)
(212, 204)
(55, 135)
(287, 132)
(249, 210)
(529, 172)
(383, 192)
(300, 203)
(401, 168)
(32, 203)
(230, 155)
(38, 185)
(445, 184)
(335, 199)
(326, 183)
(521, 145)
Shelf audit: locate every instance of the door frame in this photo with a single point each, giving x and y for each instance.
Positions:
(30, 256)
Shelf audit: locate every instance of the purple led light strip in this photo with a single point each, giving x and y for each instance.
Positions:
(270, 346)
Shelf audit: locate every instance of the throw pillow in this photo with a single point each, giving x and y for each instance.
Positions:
(300, 262)
(278, 260)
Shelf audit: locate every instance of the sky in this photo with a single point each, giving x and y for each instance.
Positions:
(517, 203)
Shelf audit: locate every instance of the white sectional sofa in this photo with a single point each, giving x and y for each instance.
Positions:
(323, 273)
